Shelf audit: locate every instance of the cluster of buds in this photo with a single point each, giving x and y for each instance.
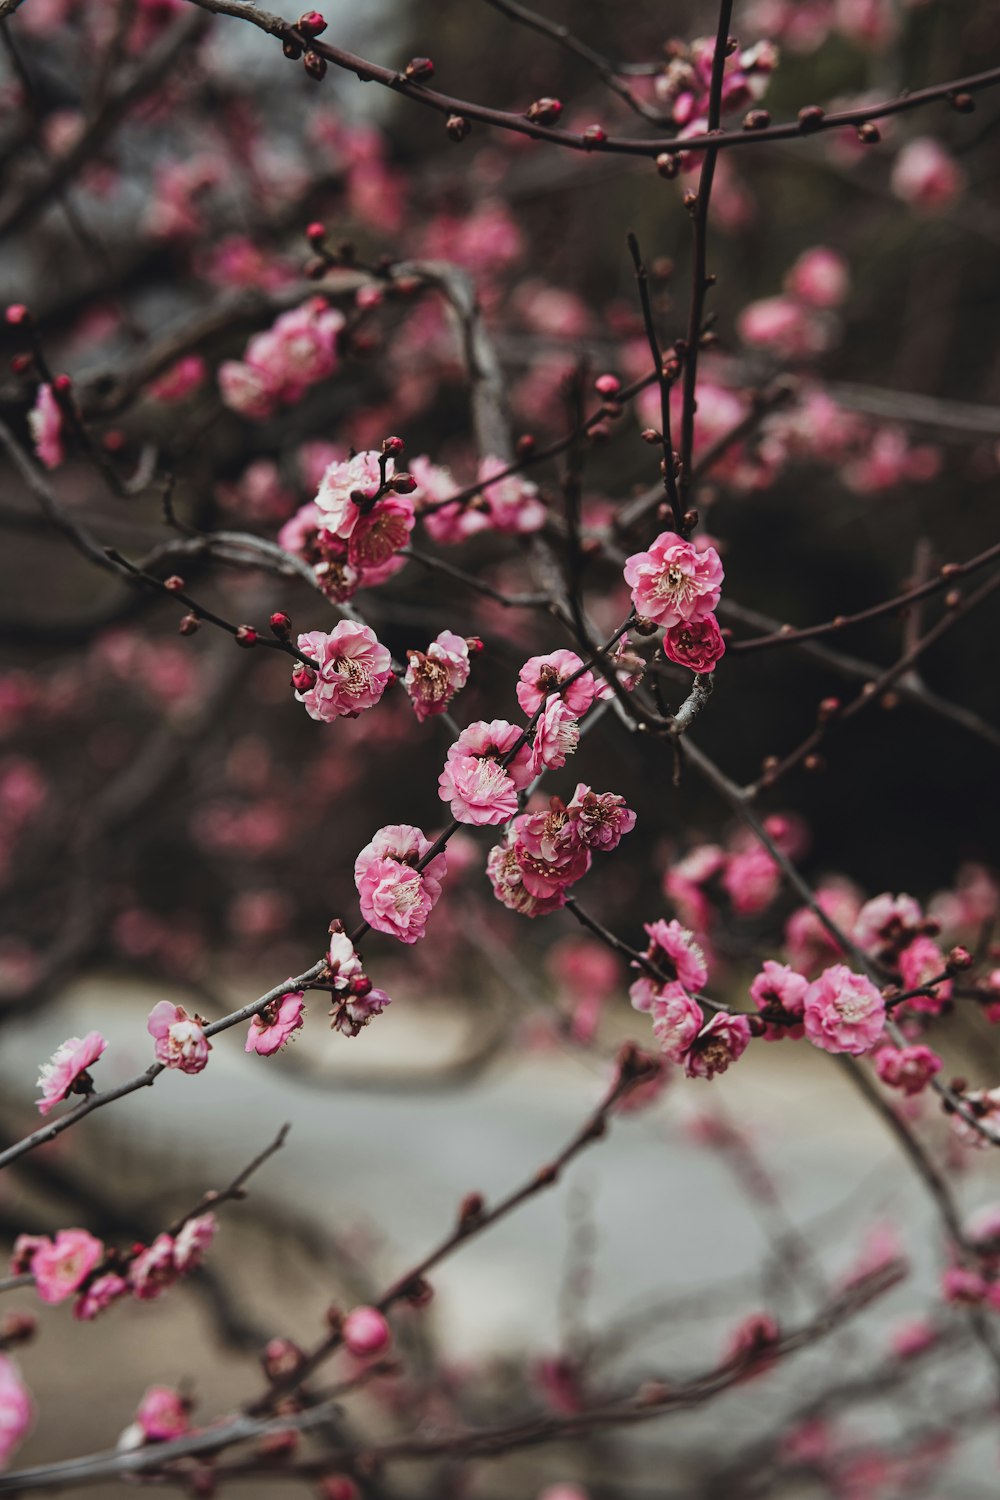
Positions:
(684, 85)
(355, 998)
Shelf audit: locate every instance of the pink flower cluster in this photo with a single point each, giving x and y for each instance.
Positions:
(180, 1040)
(678, 1020)
(355, 998)
(510, 504)
(434, 676)
(395, 896)
(280, 365)
(544, 853)
(354, 672)
(797, 323)
(485, 769)
(683, 86)
(909, 1069)
(68, 1072)
(676, 585)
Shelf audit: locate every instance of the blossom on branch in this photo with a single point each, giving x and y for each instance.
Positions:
(68, 1071)
(843, 1012)
(354, 671)
(674, 583)
(180, 1039)
(396, 897)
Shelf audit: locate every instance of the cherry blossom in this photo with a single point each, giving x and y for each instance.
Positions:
(276, 1024)
(480, 789)
(162, 1414)
(843, 1012)
(68, 1071)
(396, 898)
(17, 1411)
(697, 645)
(353, 674)
(722, 1042)
(180, 1039)
(673, 582)
(59, 1266)
(434, 676)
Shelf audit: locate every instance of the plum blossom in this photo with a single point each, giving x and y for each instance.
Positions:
(507, 877)
(512, 502)
(67, 1072)
(180, 380)
(819, 278)
(909, 1069)
(366, 1332)
(16, 1408)
(926, 176)
(985, 1105)
(542, 676)
(600, 819)
(162, 1414)
(808, 941)
(919, 963)
(45, 423)
(556, 736)
(192, 1240)
(783, 326)
(434, 676)
(59, 1266)
(677, 1018)
(180, 1039)
(154, 1269)
(353, 674)
(752, 879)
(752, 1342)
(396, 897)
(673, 948)
(696, 645)
(446, 523)
(683, 86)
(550, 856)
(673, 582)
(99, 1294)
(278, 366)
(362, 476)
(779, 994)
(275, 1024)
(723, 1041)
(885, 922)
(479, 788)
(843, 1012)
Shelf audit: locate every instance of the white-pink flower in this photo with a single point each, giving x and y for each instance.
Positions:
(446, 523)
(886, 920)
(507, 877)
(479, 787)
(677, 1018)
(45, 423)
(673, 948)
(68, 1071)
(395, 897)
(192, 1240)
(354, 671)
(359, 476)
(60, 1265)
(819, 277)
(556, 736)
(154, 1269)
(99, 1294)
(513, 502)
(16, 1408)
(543, 675)
(673, 581)
(180, 1040)
(723, 1041)
(272, 1027)
(843, 1011)
(434, 676)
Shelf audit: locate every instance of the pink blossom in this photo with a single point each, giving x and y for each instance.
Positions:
(885, 922)
(912, 1337)
(779, 994)
(434, 676)
(514, 506)
(192, 1240)
(17, 1410)
(275, 1025)
(555, 737)
(480, 789)
(697, 645)
(506, 876)
(354, 1012)
(361, 476)
(395, 897)
(380, 533)
(985, 1105)
(752, 1342)
(677, 1018)
(723, 1041)
(782, 326)
(354, 671)
(259, 494)
(180, 380)
(926, 176)
(180, 1039)
(919, 963)
(819, 278)
(101, 1292)
(247, 390)
(958, 1284)
(447, 524)
(549, 854)
(59, 1266)
(907, 1068)
(843, 1012)
(583, 968)
(162, 1414)
(366, 1332)
(673, 948)
(752, 879)
(807, 939)
(600, 819)
(45, 423)
(154, 1269)
(673, 582)
(543, 675)
(306, 342)
(68, 1071)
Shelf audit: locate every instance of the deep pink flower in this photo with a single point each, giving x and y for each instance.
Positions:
(844, 1012)
(549, 854)
(819, 277)
(601, 819)
(673, 582)
(674, 949)
(958, 1284)
(779, 994)
(45, 423)
(395, 897)
(913, 1337)
(179, 380)
(59, 1266)
(919, 962)
(180, 1039)
(101, 1292)
(512, 502)
(555, 738)
(480, 789)
(907, 1068)
(808, 941)
(380, 533)
(885, 923)
(677, 1019)
(723, 1041)
(506, 876)
(542, 675)
(366, 1332)
(192, 1241)
(434, 676)
(162, 1414)
(272, 1028)
(353, 674)
(697, 645)
(361, 476)
(355, 1011)
(68, 1070)
(17, 1410)
(751, 879)
(154, 1269)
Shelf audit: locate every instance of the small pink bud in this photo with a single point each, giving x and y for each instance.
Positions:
(316, 233)
(393, 445)
(281, 625)
(303, 678)
(607, 385)
(366, 1332)
(419, 69)
(594, 135)
(174, 583)
(189, 624)
(62, 385)
(21, 364)
(402, 484)
(543, 111)
(474, 644)
(311, 23)
(360, 986)
(246, 636)
(17, 314)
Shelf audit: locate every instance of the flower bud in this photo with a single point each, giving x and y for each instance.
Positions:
(392, 445)
(607, 385)
(311, 23)
(314, 65)
(667, 164)
(811, 118)
(366, 1332)
(402, 484)
(419, 69)
(281, 625)
(246, 636)
(869, 134)
(303, 678)
(291, 49)
(189, 624)
(959, 959)
(457, 127)
(756, 119)
(543, 111)
(316, 233)
(594, 135)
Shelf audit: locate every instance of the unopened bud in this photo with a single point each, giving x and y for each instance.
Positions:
(246, 636)
(474, 644)
(174, 583)
(642, 626)
(303, 678)
(667, 164)
(963, 102)
(607, 385)
(869, 133)
(316, 233)
(311, 23)
(419, 69)
(827, 709)
(650, 435)
(471, 1209)
(457, 127)
(314, 65)
(525, 445)
(17, 315)
(281, 625)
(811, 118)
(543, 111)
(756, 119)
(593, 136)
(392, 445)
(959, 959)
(188, 624)
(291, 49)
(402, 484)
